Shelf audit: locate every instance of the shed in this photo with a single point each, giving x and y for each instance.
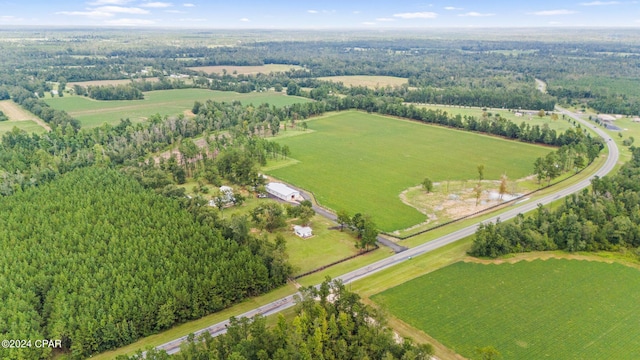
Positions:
(303, 231)
(282, 191)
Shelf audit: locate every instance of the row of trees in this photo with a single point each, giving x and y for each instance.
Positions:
(330, 323)
(111, 92)
(361, 225)
(605, 218)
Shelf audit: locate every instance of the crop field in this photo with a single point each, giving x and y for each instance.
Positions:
(362, 162)
(245, 70)
(629, 86)
(92, 113)
(559, 309)
(367, 80)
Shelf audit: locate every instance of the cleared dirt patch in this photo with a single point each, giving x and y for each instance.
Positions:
(245, 70)
(109, 82)
(366, 80)
(16, 113)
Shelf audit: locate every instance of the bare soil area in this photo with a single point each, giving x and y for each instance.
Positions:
(453, 200)
(16, 113)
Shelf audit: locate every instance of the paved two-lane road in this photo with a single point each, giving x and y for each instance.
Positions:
(279, 305)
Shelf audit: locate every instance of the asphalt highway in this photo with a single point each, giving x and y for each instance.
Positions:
(173, 346)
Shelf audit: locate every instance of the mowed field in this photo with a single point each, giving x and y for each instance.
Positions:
(92, 113)
(553, 309)
(367, 80)
(20, 118)
(362, 162)
(245, 70)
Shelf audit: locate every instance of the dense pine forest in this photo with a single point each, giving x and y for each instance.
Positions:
(98, 262)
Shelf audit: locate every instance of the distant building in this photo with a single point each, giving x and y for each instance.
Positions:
(605, 117)
(282, 191)
(303, 231)
(226, 193)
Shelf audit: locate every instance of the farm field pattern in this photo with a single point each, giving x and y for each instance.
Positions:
(92, 113)
(555, 309)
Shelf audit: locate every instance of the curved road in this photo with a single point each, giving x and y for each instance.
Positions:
(173, 347)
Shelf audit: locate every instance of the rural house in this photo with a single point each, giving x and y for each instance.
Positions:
(302, 231)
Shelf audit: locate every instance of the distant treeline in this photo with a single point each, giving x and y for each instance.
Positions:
(110, 92)
(605, 218)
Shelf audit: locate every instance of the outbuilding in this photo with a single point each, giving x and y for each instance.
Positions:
(303, 231)
(282, 191)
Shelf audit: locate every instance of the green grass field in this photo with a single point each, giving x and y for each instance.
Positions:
(92, 113)
(556, 309)
(27, 125)
(362, 162)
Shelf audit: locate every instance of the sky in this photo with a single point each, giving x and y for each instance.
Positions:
(327, 14)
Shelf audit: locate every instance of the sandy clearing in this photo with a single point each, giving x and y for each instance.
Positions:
(16, 113)
(109, 82)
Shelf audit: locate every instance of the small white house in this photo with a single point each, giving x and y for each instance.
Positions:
(303, 231)
(226, 193)
(282, 191)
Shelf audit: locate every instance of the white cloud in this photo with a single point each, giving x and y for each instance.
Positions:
(121, 10)
(385, 19)
(157, 4)
(109, 2)
(553, 12)
(129, 22)
(245, 20)
(476, 14)
(188, 5)
(417, 15)
(312, 11)
(91, 14)
(450, 8)
(356, 12)
(368, 23)
(600, 3)
(10, 18)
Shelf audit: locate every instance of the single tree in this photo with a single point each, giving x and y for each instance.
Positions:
(427, 185)
(503, 185)
(343, 219)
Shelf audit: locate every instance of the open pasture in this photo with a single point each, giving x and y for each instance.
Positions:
(92, 113)
(367, 80)
(556, 309)
(27, 125)
(245, 70)
(361, 162)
